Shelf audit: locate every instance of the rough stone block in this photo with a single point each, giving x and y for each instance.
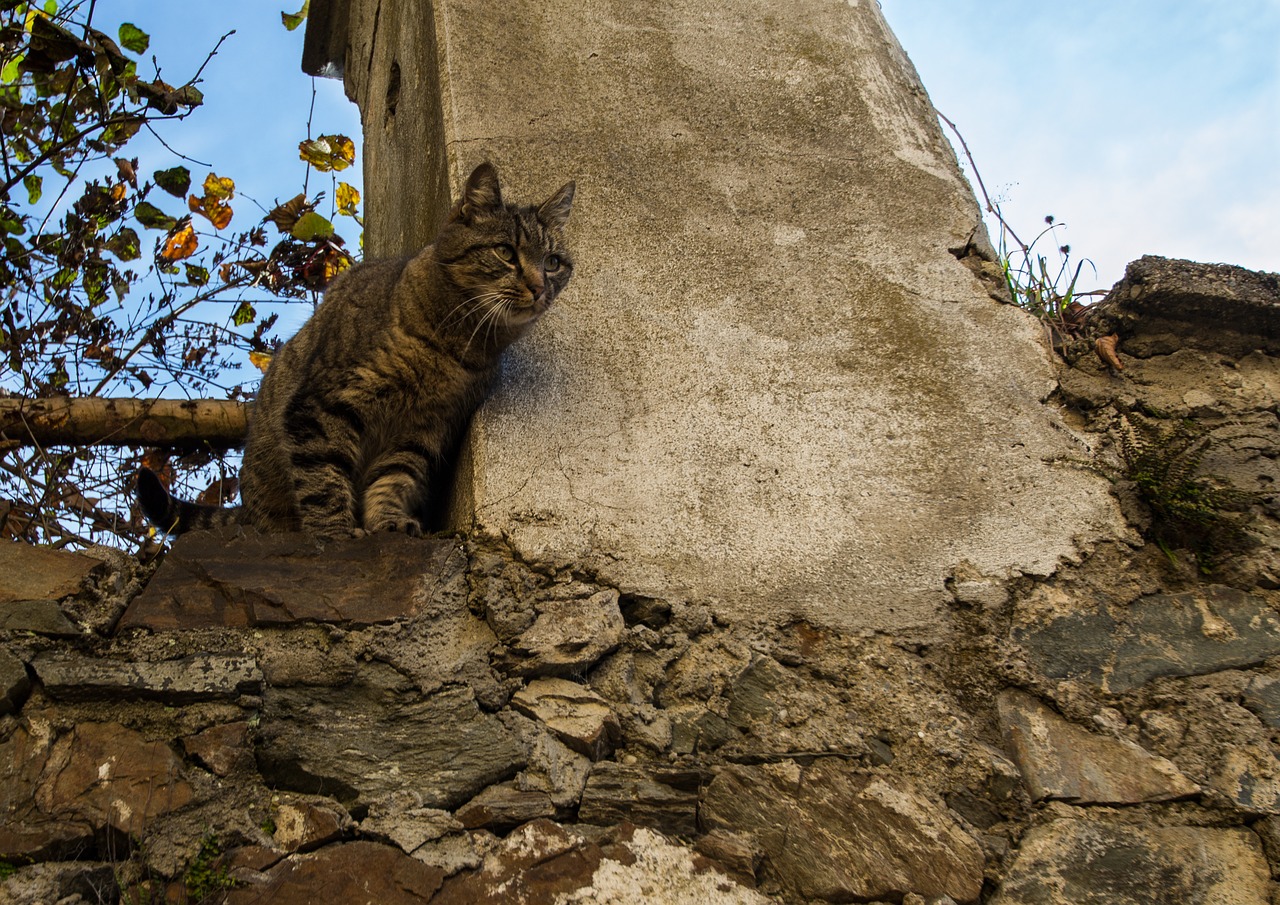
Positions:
(1187, 634)
(577, 715)
(1081, 862)
(352, 872)
(1067, 762)
(568, 636)
(379, 735)
(833, 835)
(663, 798)
(14, 682)
(205, 677)
(236, 579)
(44, 617)
(40, 573)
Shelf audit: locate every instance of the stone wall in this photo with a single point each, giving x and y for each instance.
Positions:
(252, 718)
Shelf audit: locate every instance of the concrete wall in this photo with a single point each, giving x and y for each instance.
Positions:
(771, 384)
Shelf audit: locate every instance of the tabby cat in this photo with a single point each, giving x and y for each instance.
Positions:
(359, 411)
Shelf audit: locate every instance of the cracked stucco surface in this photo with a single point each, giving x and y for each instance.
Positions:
(770, 385)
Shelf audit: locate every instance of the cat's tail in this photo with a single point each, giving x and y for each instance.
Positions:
(174, 516)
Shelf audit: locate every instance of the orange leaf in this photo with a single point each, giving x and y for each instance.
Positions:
(217, 212)
(260, 360)
(1108, 351)
(182, 244)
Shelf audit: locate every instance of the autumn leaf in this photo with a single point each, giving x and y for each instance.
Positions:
(260, 360)
(181, 244)
(245, 314)
(221, 188)
(125, 245)
(285, 215)
(128, 170)
(217, 189)
(34, 186)
(218, 213)
(347, 199)
(328, 152)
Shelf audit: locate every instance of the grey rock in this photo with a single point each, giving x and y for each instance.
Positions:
(568, 636)
(205, 677)
(503, 807)
(663, 798)
(1217, 307)
(235, 578)
(832, 834)
(1262, 696)
(577, 715)
(1082, 862)
(14, 682)
(44, 617)
(63, 882)
(1187, 634)
(380, 735)
(222, 749)
(1063, 761)
(401, 820)
(553, 767)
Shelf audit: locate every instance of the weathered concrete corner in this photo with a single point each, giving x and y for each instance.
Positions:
(771, 383)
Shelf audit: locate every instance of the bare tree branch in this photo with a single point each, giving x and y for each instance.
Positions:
(179, 423)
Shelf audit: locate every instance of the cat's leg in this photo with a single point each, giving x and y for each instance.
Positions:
(323, 448)
(395, 487)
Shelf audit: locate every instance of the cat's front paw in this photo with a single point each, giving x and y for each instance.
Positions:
(402, 524)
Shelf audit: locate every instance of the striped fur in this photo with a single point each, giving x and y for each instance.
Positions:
(358, 413)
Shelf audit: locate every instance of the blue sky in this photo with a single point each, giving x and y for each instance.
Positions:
(1146, 126)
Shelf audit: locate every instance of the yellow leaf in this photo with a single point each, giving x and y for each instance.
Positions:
(219, 188)
(182, 244)
(118, 191)
(260, 360)
(328, 152)
(347, 198)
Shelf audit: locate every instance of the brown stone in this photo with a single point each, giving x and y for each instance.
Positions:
(235, 578)
(504, 806)
(568, 636)
(39, 573)
(536, 863)
(1061, 760)
(221, 749)
(111, 776)
(832, 834)
(26, 833)
(1080, 862)
(302, 826)
(574, 713)
(353, 873)
(664, 798)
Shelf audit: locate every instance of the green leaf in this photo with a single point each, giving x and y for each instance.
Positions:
(293, 20)
(152, 217)
(125, 245)
(311, 226)
(35, 187)
(197, 276)
(9, 74)
(176, 181)
(134, 38)
(244, 315)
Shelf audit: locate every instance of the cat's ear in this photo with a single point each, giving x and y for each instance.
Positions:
(481, 192)
(555, 210)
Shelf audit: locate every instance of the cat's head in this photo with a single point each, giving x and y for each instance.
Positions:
(508, 262)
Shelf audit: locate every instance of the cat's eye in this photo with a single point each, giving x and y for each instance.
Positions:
(506, 252)
(553, 263)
